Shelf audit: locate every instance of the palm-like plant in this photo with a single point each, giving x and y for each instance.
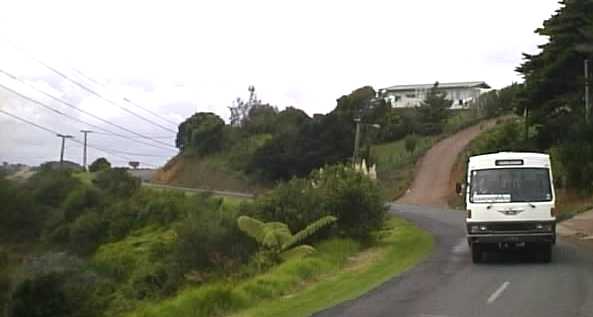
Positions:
(277, 239)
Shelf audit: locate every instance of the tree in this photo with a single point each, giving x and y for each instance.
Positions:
(202, 132)
(326, 139)
(554, 77)
(99, 165)
(260, 119)
(134, 164)
(434, 111)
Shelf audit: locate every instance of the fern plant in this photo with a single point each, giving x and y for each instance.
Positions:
(277, 240)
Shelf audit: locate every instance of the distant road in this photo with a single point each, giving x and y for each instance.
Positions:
(431, 185)
(448, 284)
(196, 190)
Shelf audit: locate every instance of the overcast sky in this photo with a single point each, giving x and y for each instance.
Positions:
(176, 58)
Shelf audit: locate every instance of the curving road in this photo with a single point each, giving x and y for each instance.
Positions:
(447, 284)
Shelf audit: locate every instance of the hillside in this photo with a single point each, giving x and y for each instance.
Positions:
(204, 173)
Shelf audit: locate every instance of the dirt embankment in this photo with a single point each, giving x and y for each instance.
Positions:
(432, 183)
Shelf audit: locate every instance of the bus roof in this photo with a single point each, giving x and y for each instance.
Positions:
(509, 159)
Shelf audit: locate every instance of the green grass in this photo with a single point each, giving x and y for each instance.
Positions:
(460, 119)
(339, 271)
(402, 248)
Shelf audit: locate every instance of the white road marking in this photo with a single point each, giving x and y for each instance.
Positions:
(499, 291)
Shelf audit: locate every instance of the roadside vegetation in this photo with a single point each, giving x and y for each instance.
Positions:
(509, 135)
(550, 102)
(105, 246)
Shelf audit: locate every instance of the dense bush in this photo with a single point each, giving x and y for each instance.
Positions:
(505, 137)
(210, 239)
(87, 232)
(20, 217)
(117, 182)
(83, 197)
(338, 191)
(54, 284)
(51, 186)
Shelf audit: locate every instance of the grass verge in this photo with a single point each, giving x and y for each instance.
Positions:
(339, 271)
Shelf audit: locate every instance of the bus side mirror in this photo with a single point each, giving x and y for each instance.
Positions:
(459, 188)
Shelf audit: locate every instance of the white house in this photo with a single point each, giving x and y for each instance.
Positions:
(406, 96)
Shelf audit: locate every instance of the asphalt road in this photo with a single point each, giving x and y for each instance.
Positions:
(508, 284)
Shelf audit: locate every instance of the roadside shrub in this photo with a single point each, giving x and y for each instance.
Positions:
(39, 297)
(3, 257)
(338, 191)
(209, 239)
(54, 284)
(295, 203)
(410, 143)
(159, 207)
(506, 137)
(87, 232)
(80, 199)
(117, 182)
(120, 218)
(353, 198)
(5, 286)
(20, 217)
(50, 187)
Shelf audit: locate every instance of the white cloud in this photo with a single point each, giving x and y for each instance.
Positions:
(178, 57)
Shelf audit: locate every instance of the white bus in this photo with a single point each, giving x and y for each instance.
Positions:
(510, 204)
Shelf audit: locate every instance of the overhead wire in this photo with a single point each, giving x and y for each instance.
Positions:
(169, 147)
(90, 90)
(72, 139)
(93, 92)
(127, 99)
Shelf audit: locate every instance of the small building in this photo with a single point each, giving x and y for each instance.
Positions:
(462, 94)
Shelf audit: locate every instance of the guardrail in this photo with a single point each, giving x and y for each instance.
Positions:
(198, 190)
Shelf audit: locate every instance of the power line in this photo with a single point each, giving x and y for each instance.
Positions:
(160, 137)
(169, 147)
(128, 100)
(29, 122)
(99, 95)
(73, 140)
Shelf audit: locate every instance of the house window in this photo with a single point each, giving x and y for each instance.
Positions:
(397, 98)
(410, 95)
(461, 102)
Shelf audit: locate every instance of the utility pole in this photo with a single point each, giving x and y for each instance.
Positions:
(526, 123)
(64, 137)
(356, 141)
(357, 137)
(85, 132)
(587, 100)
